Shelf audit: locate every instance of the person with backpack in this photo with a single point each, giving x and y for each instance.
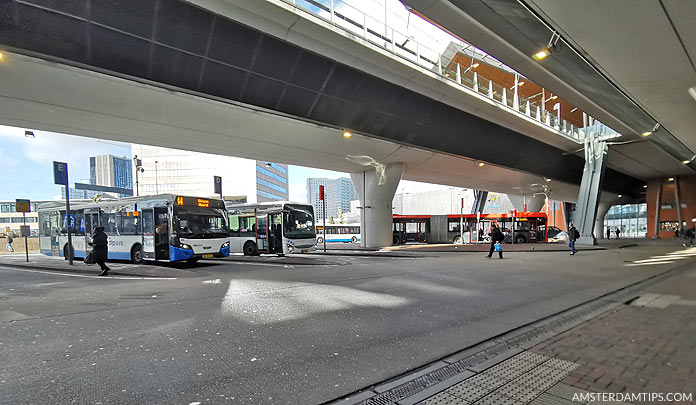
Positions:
(8, 246)
(496, 237)
(101, 249)
(573, 235)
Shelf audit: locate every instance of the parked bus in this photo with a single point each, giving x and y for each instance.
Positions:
(160, 228)
(278, 227)
(522, 227)
(339, 233)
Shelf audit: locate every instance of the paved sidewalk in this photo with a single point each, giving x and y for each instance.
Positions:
(648, 346)
(49, 263)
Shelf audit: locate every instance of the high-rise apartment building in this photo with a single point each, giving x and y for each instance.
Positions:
(338, 193)
(182, 172)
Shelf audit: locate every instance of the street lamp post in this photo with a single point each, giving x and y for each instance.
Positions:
(138, 168)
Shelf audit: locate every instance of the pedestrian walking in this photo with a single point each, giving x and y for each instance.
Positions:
(573, 235)
(618, 232)
(690, 234)
(8, 246)
(608, 232)
(497, 237)
(101, 249)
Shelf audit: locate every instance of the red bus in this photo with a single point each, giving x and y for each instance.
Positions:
(520, 227)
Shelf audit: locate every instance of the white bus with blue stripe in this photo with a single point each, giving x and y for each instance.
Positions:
(347, 233)
(155, 228)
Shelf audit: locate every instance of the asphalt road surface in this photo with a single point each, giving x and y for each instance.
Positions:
(262, 332)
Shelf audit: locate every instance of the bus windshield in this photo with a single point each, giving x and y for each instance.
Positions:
(195, 222)
(299, 221)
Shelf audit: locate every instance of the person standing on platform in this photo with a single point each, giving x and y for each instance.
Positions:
(618, 232)
(608, 232)
(573, 235)
(496, 237)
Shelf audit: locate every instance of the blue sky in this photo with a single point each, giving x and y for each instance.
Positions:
(26, 165)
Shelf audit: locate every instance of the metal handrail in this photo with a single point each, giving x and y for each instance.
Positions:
(413, 51)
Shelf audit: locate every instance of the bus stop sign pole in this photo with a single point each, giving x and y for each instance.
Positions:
(60, 177)
(24, 206)
(323, 204)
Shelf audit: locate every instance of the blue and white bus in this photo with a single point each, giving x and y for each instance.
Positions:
(157, 228)
(279, 227)
(346, 233)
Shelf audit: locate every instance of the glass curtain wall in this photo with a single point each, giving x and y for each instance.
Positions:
(631, 219)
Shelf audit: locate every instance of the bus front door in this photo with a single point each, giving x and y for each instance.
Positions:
(262, 233)
(533, 231)
(148, 233)
(161, 233)
(275, 234)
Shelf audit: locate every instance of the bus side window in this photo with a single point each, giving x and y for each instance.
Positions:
(234, 223)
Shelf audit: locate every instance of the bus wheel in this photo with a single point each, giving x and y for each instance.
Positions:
(320, 240)
(193, 260)
(396, 240)
(65, 252)
(137, 254)
(250, 249)
(354, 239)
(457, 240)
(520, 239)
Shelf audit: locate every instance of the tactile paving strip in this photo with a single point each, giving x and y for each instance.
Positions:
(518, 380)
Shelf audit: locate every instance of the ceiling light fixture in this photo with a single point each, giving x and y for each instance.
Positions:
(686, 162)
(546, 51)
(647, 133)
(670, 179)
(692, 92)
(2, 56)
(347, 134)
(547, 179)
(481, 164)
(574, 109)
(645, 186)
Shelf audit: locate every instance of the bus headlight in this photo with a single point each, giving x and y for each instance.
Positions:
(185, 246)
(225, 245)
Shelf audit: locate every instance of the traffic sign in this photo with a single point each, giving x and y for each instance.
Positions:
(218, 185)
(60, 173)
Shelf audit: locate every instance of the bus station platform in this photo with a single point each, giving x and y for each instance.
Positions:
(484, 247)
(39, 262)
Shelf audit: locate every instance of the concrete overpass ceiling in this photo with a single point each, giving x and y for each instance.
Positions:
(639, 71)
(206, 59)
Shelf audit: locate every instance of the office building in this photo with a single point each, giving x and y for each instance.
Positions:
(338, 193)
(182, 172)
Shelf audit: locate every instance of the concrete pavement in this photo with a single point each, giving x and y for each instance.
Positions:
(273, 333)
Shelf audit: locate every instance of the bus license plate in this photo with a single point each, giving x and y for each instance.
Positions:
(208, 256)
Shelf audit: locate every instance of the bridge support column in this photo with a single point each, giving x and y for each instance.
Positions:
(533, 203)
(590, 188)
(376, 189)
(599, 231)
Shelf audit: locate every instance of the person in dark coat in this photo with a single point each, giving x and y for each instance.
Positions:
(496, 236)
(101, 249)
(608, 232)
(618, 232)
(572, 237)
